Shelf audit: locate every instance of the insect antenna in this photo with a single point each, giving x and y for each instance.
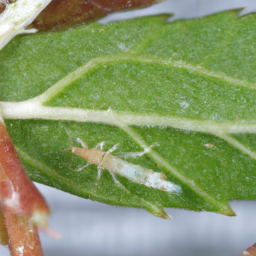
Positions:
(70, 149)
(70, 140)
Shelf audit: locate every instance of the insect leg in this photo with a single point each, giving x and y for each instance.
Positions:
(97, 183)
(113, 148)
(137, 154)
(114, 178)
(99, 172)
(98, 177)
(81, 168)
(100, 145)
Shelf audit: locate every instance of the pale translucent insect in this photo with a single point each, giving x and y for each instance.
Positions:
(209, 145)
(115, 165)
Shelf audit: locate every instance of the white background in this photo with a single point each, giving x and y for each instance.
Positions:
(91, 229)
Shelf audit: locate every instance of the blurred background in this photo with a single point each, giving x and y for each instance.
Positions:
(95, 229)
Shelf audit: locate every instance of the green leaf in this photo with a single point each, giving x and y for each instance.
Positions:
(188, 86)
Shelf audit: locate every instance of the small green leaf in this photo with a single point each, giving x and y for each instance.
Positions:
(188, 86)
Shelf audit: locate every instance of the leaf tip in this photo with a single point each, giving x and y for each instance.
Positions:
(228, 212)
(160, 213)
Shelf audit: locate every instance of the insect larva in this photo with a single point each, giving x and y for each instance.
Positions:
(115, 165)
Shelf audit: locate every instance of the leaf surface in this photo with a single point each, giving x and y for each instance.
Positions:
(188, 86)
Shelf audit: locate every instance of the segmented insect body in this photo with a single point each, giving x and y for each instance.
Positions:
(135, 173)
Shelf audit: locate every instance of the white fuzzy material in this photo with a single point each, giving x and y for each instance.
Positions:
(17, 17)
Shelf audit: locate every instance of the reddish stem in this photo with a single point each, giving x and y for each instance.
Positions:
(22, 207)
(23, 236)
(3, 231)
(64, 13)
(17, 191)
(251, 251)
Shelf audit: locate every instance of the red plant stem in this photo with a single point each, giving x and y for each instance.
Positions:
(17, 192)
(251, 251)
(23, 236)
(65, 13)
(3, 231)
(22, 207)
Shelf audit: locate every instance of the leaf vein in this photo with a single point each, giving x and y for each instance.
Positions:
(33, 110)
(95, 63)
(160, 160)
(235, 143)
